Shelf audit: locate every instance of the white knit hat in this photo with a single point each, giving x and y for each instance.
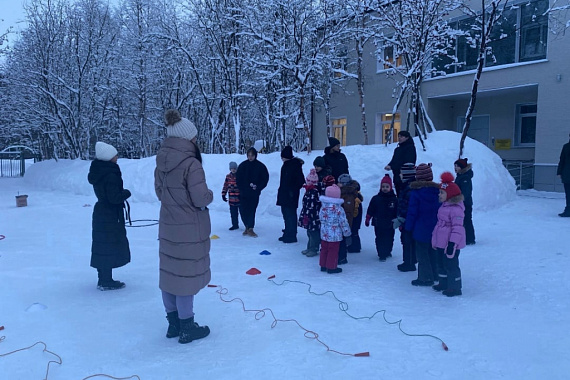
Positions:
(104, 152)
(177, 126)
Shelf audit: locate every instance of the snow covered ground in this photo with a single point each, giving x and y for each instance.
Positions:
(511, 322)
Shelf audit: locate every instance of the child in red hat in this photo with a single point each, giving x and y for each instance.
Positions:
(448, 236)
(383, 208)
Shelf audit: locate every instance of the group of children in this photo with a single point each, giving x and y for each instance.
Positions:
(434, 220)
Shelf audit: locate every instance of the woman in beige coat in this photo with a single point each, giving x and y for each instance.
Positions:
(184, 226)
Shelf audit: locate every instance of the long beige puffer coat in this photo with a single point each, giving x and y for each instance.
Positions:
(184, 225)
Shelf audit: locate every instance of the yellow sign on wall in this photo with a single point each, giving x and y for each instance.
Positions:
(502, 144)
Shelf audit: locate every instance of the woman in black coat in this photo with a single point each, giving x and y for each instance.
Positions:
(110, 247)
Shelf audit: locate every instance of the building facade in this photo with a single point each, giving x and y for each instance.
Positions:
(522, 110)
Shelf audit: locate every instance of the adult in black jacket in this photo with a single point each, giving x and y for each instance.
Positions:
(335, 159)
(405, 152)
(290, 183)
(464, 181)
(251, 177)
(110, 247)
(564, 172)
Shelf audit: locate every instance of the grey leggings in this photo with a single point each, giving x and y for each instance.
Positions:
(183, 304)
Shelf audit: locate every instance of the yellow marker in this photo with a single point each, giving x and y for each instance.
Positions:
(214, 237)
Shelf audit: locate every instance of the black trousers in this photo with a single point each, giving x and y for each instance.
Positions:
(468, 224)
(234, 212)
(247, 209)
(342, 250)
(384, 241)
(290, 219)
(408, 247)
(356, 245)
(449, 272)
(105, 274)
(567, 191)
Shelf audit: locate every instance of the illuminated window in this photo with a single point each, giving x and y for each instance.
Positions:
(386, 122)
(339, 130)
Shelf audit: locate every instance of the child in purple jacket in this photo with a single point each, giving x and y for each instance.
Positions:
(448, 236)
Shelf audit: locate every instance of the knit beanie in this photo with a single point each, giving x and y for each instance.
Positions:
(287, 152)
(320, 162)
(328, 180)
(462, 163)
(424, 173)
(312, 178)
(333, 191)
(408, 171)
(344, 179)
(447, 185)
(386, 179)
(233, 165)
(177, 126)
(104, 152)
(333, 142)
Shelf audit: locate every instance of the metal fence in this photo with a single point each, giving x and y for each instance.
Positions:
(13, 161)
(522, 172)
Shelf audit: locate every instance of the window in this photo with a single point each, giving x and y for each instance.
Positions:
(388, 61)
(534, 31)
(525, 128)
(340, 64)
(520, 35)
(383, 123)
(339, 130)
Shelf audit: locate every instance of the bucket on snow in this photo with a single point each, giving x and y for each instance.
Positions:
(21, 200)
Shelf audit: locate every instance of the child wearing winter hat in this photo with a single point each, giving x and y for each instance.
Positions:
(448, 236)
(464, 177)
(421, 220)
(334, 227)
(350, 193)
(231, 189)
(383, 208)
(309, 217)
(407, 176)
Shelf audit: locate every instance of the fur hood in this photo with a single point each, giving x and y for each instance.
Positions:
(456, 199)
(465, 169)
(419, 184)
(325, 199)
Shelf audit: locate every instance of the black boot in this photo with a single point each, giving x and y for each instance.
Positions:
(566, 213)
(190, 330)
(173, 324)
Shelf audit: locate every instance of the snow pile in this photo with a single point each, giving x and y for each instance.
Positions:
(493, 186)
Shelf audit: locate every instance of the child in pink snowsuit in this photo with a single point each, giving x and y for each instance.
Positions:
(334, 226)
(448, 236)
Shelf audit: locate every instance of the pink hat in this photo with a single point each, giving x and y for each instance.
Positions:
(312, 178)
(333, 191)
(386, 179)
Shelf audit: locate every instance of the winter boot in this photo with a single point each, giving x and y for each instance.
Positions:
(311, 254)
(406, 267)
(452, 292)
(565, 214)
(190, 330)
(323, 269)
(233, 228)
(336, 270)
(110, 285)
(173, 324)
(251, 233)
(422, 283)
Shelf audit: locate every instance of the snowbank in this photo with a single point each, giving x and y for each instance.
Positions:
(493, 186)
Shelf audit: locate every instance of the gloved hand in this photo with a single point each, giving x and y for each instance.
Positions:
(397, 222)
(224, 198)
(348, 240)
(367, 221)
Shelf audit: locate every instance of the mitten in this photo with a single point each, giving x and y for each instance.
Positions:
(367, 221)
(126, 194)
(348, 240)
(224, 198)
(396, 223)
